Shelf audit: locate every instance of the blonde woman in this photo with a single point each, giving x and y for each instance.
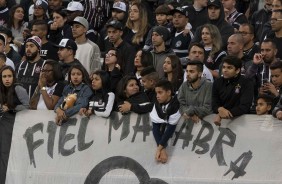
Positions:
(137, 26)
(211, 39)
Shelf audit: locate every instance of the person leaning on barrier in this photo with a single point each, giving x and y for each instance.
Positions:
(164, 116)
(194, 95)
(75, 95)
(129, 97)
(232, 94)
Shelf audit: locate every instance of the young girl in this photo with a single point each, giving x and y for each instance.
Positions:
(173, 71)
(13, 97)
(78, 86)
(130, 98)
(101, 102)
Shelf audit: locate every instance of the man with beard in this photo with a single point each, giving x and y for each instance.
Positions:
(114, 32)
(28, 71)
(194, 95)
(260, 70)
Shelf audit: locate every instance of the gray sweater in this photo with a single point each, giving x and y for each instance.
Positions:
(195, 101)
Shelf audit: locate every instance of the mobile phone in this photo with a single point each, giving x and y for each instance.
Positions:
(264, 81)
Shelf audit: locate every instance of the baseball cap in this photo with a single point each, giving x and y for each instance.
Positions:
(41, 3)
(67, 43)
(216, 3)
(75, 6)
(120, 6)
(80, 20)
(115, 24)
(35, 40)
(183, 10)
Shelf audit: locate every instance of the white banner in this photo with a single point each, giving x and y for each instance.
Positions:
(121, 150)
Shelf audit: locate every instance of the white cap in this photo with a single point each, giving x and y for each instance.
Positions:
(119, 6)
(75, 6)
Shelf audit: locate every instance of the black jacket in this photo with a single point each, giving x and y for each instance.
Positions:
(235, 94)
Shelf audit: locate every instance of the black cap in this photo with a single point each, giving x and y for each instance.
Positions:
(183, 10)
(115, 24)
(67, 43)
(216, 3)
(162, 31)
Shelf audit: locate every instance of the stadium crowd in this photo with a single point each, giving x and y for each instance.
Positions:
(171, 59)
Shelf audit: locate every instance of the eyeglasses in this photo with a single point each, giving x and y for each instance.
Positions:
(46, 70)
(110, 54)
(274, 20)
(243, 33)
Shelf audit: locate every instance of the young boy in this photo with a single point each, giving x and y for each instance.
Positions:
(149, 78)
(162, 12)
(264, 104)
(164, 116)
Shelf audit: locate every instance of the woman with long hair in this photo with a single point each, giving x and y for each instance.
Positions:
(129, 97)
(173, 71)
(212, 42)
(75, 95)
(142, 60)
(102, 101)
(113, 67)
(137, 26)
(13, 98)
(16, 24)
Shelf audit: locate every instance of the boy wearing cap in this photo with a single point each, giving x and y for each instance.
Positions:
(88, 53)
(180, 40)
(28, 71)
(159, 36)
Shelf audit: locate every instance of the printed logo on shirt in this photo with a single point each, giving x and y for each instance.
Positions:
(178, 43)
(237, 88)
(37, 69)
